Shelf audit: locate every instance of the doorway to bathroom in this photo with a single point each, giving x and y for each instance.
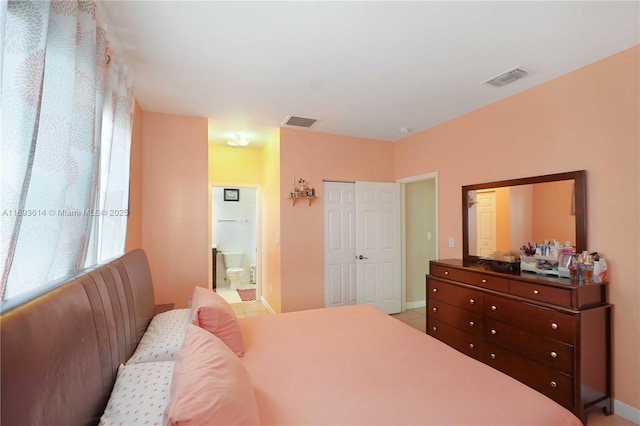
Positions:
(234, 239)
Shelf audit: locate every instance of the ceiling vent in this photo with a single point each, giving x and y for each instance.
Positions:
(295, 121)
(506, 77)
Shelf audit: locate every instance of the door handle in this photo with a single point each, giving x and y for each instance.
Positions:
(361, 257)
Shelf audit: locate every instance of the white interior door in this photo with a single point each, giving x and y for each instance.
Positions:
(339, 244)
(378, 245)
(486, 205)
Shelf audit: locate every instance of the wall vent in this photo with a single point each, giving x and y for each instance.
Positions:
(295, 121)
(506, 77)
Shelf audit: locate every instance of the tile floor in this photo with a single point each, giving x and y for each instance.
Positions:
(248, 309)
(232, 296)
(416, 318)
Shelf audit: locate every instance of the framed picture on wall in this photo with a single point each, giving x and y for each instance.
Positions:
(231, 194)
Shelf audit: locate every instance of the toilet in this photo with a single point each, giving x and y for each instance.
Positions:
(234, 269)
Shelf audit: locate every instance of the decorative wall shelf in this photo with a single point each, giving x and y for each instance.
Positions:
(301, 191)
(310, 198)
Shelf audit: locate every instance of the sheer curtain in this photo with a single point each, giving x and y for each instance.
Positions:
(53, 96)
(110, 227)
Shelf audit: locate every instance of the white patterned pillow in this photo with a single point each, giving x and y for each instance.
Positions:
(140, 394)
(163, 338)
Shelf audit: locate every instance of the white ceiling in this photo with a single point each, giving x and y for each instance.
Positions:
(365, 68)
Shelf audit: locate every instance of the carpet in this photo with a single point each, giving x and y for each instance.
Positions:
(247, 295)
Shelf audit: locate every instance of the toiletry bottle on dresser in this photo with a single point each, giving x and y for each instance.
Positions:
(597, 270)
(604, 274)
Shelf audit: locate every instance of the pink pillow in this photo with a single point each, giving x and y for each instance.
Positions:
(210, 385)
(213, 313)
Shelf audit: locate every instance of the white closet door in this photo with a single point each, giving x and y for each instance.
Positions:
(339, 244)
(378, 246)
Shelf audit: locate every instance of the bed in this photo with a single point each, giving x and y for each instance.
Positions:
(347, 365)
(356, 365)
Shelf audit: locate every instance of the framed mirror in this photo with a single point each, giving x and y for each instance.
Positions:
(505, 215)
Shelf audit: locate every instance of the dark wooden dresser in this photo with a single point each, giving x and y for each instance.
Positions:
(547, 332)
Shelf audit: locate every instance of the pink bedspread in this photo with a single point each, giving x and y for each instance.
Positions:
(356, 365)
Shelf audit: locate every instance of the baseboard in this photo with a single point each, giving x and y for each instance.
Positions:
(414, 305)
(626, 411)
(267, 305)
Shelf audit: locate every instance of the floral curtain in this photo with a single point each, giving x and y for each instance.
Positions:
(53, 79)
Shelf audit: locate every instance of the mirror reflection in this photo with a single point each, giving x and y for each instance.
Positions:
(506, 218)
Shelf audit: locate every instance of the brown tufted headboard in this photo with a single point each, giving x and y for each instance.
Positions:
(61, 346)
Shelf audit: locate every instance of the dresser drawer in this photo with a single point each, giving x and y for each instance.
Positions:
(470, 322)
(464, 342)
(536, 319)
(553, 383)
(446, 272)
(557, 296)
(487, 281)
(549, 352)
(455, 295)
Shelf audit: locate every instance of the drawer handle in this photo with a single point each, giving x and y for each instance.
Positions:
(554, 384)
(493, 356)
(472, 301)
(446, 272)
(435, 328)
(484, 281)
(554, 325)
(471, 346)
(554, 354)
(435, 309)
(494, 331)
(471, 323)
(536, 291)
(435, 290)
(494, 308)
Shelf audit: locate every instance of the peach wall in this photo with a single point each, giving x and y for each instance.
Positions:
(314, 157)
(559, 223)
(271, 270)
(228, 164)
(587, 119)
(134, 221)
(175, 204)
(520, 213)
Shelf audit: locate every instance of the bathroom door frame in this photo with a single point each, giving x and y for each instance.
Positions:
(259, 266)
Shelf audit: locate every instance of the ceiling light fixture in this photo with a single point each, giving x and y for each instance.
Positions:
(405, 130)
(236, 140)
